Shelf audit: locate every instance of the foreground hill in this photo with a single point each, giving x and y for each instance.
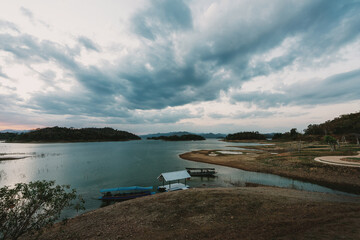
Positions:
(62, 134)
(221, 213)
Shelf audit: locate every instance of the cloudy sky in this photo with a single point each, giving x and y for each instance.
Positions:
(157, 66)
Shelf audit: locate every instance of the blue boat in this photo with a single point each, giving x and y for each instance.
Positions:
(125, 193)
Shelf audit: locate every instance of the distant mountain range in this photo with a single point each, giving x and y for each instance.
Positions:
(14, 131)
(180, 133)
(205, 135)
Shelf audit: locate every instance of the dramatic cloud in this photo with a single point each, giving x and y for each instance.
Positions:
(252, 59)
(88, 43)
(162, 18)
(27, 13)
(3, 74)
(8, 25)
(339, 88)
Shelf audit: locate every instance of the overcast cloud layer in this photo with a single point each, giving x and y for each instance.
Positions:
(220, 66)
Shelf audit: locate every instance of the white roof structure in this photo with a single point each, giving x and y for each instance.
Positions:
(173, 176)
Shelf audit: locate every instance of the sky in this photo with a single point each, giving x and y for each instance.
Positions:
(158, 66)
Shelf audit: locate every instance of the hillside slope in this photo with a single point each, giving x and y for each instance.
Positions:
(222, 213)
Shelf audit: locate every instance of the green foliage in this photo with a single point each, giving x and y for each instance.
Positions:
(7, 136)
(30, 207)
(293, 132)
(245, 136)
(314, 129)
(277, 136)
(342, 125)
(186, 137)
(331, 141)
(62, 134)
(292, 135)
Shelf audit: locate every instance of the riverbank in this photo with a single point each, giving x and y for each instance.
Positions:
(289, 159)
(220, 213)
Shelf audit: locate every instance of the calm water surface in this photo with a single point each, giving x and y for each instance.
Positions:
(89, 167)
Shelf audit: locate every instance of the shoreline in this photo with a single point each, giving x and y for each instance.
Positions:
(51, 142)
(346, 180)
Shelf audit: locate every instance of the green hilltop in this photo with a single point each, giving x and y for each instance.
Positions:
(63, 134)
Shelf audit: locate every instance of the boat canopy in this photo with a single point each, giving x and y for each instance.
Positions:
(125, 189)
(173, 176)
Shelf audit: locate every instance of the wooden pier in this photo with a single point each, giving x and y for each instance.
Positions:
(201, 172)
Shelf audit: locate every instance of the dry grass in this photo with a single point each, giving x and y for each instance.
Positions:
(236, 213)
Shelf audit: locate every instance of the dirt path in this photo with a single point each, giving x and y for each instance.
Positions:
(338, 160)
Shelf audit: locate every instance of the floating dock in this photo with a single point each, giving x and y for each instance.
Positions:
(201, 172)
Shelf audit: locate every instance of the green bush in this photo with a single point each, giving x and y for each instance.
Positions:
(29, 207)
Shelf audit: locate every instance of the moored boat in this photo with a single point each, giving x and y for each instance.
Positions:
(125, 193)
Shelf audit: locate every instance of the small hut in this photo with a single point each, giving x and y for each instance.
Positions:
(173, 181)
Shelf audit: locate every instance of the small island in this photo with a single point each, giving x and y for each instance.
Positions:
(63, 134)
(245, 136)
(186, 137)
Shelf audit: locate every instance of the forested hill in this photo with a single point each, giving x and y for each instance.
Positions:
(186, 137)
(344, 124)
(7, 135)
(62, 134)
(245, 136)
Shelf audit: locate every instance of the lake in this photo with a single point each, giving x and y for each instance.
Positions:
(89, 167)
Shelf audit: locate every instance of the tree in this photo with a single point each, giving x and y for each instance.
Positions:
(293, 132)
(314, 129)
(331, 141)
(30, 207)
